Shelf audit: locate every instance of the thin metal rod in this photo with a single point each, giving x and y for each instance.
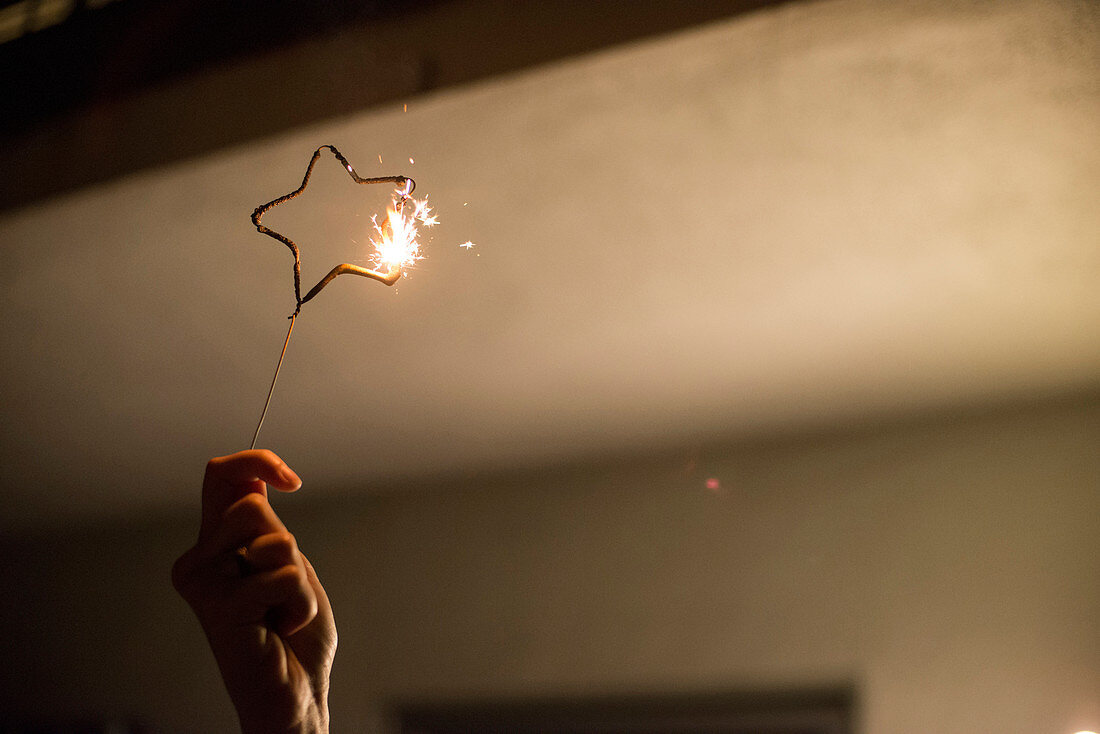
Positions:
(389, 277)
(274, 379)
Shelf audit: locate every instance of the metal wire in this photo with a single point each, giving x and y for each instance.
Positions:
(274, 379)
(262, 209)
(389, 278)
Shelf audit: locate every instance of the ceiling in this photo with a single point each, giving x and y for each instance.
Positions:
(809, 215)
(103, 88)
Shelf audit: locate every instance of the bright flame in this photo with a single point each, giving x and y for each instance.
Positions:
(395, 240)
(395, 243)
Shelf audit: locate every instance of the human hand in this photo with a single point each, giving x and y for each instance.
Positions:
(264, 612)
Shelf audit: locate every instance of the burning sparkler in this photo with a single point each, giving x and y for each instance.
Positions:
(395, 241)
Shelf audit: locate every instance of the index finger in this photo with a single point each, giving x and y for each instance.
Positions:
(228, 478)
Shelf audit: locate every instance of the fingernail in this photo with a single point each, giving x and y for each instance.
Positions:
(290, 477)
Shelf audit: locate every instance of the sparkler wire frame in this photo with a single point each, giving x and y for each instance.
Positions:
(389, 278)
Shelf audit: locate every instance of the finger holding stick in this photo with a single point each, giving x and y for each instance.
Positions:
(265, 614)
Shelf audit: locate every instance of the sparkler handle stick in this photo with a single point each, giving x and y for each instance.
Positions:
(389, 278)
(274, 379)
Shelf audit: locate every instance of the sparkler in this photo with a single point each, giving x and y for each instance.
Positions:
(395, 245)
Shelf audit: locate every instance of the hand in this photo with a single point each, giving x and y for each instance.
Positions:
(264, 612)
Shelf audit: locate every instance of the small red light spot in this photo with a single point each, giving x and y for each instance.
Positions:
(713, 484)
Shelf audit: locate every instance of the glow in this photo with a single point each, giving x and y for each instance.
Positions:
(713, 484)
(395, 240)
(467, 244)
(395, 245)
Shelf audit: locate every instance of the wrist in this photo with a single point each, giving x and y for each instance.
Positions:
(314, 722)
(310, 717)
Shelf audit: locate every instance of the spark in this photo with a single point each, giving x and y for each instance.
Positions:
(395, 240)
(467, 244)
(423, 212)
(404, 108)
(412, 161)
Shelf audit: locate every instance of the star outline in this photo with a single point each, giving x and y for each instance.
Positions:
(389, 278)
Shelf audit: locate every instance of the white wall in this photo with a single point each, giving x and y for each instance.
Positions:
(947, 568)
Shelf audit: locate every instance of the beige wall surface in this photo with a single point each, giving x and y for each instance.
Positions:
(815, 213)
(946, 568)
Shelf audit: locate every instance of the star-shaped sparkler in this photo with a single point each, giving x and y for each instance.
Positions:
(397, 235)
(395, 246)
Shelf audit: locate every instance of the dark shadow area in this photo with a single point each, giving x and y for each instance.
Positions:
(102, 53)
(82, 727)
(116, 87)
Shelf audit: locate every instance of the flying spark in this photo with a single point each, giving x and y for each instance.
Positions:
(395, 240)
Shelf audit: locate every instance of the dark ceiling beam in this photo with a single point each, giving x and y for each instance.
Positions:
(171, 80)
